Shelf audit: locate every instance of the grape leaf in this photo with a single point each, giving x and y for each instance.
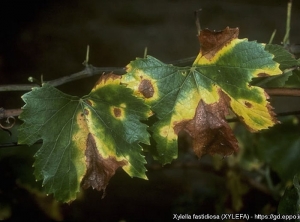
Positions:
(280, 150)
(290, 202)
(196, 99)
(287, 63)
(294, 79)
(84, 139)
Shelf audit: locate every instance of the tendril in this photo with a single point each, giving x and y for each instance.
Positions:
(10, 124)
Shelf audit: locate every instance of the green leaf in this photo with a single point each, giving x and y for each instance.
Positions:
(294, 79)
(281, 150)
(196, 99)
(84, 139)
(290, 202)
(282, 56)
(287, 63)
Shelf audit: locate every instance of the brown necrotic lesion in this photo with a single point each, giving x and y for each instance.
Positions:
(146, 88)
(247, 104)
(99, 169)
(117, 112)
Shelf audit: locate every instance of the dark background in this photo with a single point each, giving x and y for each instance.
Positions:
(50, 38)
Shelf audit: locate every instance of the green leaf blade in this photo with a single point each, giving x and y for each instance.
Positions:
(290, 201)
(280, 150)
(85, 140)
(59, 162)
(231, 69)
(168, 101)
(114, 115)
(287, 63)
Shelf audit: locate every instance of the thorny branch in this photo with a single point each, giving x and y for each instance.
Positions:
(5, 113)
(282, 92)
(90, 70)
(87, 72)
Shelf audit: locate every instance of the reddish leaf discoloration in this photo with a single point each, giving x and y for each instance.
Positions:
(209, 129)
(212, 41)
(99, 170)
(105, 77)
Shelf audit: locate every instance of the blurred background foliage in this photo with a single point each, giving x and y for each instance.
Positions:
(50, 38)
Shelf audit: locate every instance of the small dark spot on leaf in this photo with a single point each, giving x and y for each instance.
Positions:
(249, 105)
(262, 75)
(81, 114)
(86, 112)
(146, 88)
(88, 102)
(117, 112)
